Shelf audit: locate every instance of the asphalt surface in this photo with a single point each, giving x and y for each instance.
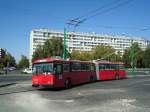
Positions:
(14, 78)
(127, 95)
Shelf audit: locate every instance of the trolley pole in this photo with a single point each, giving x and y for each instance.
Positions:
(65, 46)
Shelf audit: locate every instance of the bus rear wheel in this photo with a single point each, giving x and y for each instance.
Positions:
(117, 77)
(68, 83)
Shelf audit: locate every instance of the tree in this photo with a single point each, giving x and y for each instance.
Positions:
(1, 63)
(115, 57)
(9, 60)
(133, 56)
(24, 62)
(126, 58)
(146, 57)
(39, 52)
(51, 47)
(83, 56)
(103, 52)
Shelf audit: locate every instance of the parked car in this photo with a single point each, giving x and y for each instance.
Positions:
(9, 68)
(27, 71)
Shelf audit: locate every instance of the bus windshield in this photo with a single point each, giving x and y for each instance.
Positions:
(43, 68)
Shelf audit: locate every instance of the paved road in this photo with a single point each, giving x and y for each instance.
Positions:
(128, 95)
(14, 78)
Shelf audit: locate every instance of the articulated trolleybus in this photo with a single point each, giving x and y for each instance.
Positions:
(49, 72)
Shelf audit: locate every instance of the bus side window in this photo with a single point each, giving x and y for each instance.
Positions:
(112, 67)
(101, 67)
(92, 67)
(107, 66)
(83, 67)
(66, 67)
(76, 66)
(88, 67)
(116, 66)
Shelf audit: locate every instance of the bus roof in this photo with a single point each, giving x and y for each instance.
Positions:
(42, 60)
(46, 60)
(103, 62)
(108, 62)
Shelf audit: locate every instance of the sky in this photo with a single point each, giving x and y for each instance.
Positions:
(19, 17)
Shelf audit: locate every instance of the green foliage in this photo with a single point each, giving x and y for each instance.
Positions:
(24, 62)
(99, 52)
(115, 57)
(39, 52)
(8, 60)
(126, 58)
(102, 52)
(1, 63)
(133, 56)
(146, 57)
(51, 47)
(83, 56)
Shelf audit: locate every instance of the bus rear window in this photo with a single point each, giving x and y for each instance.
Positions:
(42, 68)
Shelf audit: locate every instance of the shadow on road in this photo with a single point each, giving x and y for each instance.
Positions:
(5, 85)
(14, 92)
(63, 88)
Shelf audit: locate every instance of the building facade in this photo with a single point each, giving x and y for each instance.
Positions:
(84, 41)
(2, 53)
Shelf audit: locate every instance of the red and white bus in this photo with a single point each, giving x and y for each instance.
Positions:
(50, 72)
(106, 70)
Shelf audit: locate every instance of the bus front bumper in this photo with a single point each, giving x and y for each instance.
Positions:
(42, 86)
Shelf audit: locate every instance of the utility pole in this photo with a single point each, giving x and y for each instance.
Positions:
(65, 46)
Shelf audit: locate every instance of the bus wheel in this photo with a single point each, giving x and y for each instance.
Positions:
(68, 84)
(117, 77)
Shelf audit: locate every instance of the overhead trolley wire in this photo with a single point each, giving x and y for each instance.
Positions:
(103, 9)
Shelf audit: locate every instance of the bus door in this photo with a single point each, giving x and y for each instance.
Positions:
(102, 72)
(58, 70)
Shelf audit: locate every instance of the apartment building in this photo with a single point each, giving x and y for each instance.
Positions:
(84, 41)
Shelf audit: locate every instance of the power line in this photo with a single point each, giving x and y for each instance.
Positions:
(104, 9)
(142, 28)
(76, 21)
(110, 9)
(98, 9)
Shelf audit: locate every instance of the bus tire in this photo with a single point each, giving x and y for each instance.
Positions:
(117, 77)
(68, 83)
